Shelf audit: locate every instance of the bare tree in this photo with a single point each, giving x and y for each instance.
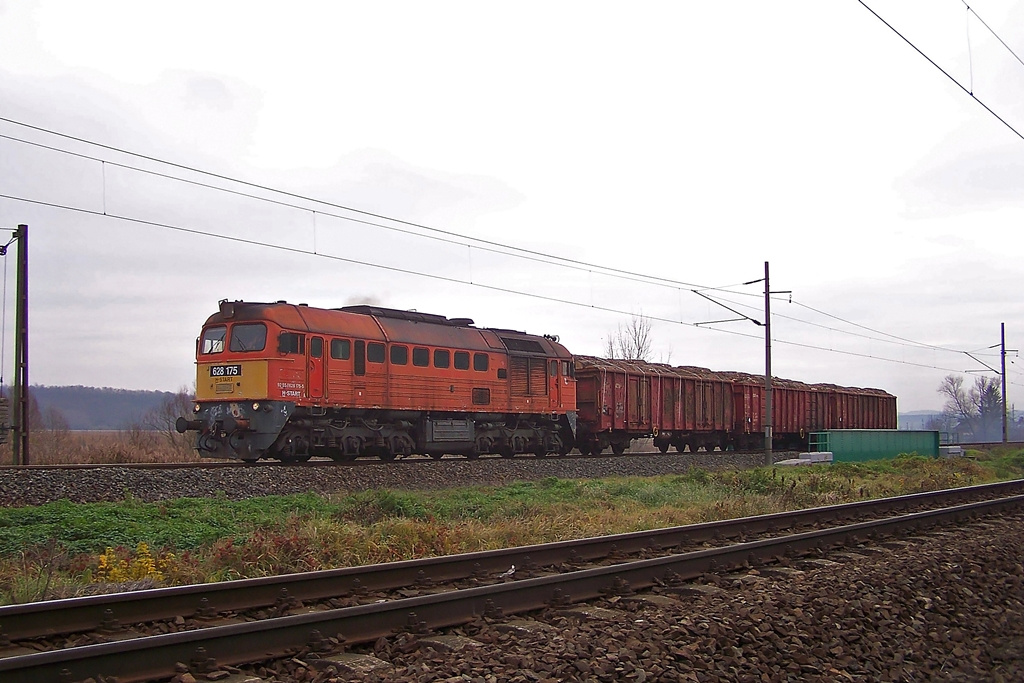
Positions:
(977, 410)
(632, 342)
(162, 419)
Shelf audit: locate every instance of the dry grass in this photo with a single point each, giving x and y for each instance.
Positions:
(66, 447)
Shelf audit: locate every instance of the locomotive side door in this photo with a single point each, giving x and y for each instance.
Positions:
(315, 368)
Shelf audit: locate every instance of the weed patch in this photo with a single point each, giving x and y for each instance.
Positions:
(58, 548)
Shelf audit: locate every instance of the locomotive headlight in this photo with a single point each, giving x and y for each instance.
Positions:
(256, 405)
(195, 408)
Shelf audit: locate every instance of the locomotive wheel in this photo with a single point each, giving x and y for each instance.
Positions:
(506, 451)
(436, 455)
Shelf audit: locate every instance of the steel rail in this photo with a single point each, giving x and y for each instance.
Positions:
(37, 619)
(156, 656)
(364, 460)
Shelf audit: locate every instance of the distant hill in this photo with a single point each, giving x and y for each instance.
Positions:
(97, 408)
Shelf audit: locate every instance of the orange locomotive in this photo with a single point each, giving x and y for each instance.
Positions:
(291, 381)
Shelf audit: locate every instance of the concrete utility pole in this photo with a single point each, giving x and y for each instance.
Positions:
(767, 369)
(21, 352)
(19, 424)
(1002, 355)
(767, 324)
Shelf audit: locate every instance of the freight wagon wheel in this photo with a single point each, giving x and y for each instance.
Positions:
(618, 447)
(663, 447)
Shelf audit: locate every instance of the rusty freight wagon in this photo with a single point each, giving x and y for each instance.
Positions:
(621, 400)
(690, 407)
(292, 381)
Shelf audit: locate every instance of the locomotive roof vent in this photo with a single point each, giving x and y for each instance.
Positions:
(413, 316)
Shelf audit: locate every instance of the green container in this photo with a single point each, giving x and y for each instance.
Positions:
(858, 445)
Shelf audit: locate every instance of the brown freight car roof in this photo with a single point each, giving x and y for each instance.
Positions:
(644, 368)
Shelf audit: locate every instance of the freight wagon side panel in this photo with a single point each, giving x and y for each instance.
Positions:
(638, 403)
(589, 400)
(748, 415)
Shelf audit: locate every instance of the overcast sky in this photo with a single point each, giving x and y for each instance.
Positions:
(689, 142)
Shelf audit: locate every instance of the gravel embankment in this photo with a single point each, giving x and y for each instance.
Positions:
(944, 606)
(35, 487)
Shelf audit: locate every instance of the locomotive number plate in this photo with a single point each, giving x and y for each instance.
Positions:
(225, 371)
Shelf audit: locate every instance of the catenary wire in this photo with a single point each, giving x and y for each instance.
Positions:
(547, 259)
(589, 268)
(943, 71)
(293, 195)
(990, 30)
(442, 278)
(515, 252)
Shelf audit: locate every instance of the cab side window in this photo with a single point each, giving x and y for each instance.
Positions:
(213, 340)
(290, 342)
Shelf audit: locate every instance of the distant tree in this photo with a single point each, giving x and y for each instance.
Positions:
(632, 341)
(977, 410)
(162, 419)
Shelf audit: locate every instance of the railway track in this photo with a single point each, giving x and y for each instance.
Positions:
(253, 620)
(360, 462)
(408, 460)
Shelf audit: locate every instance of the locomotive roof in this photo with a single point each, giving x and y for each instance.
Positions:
(375, 323)
(691, 372)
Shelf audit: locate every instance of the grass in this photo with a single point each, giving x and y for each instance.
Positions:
(60, 548)
(60, 446)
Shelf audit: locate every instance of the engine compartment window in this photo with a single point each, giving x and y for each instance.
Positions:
(462, 360)
(399, 355)
(375, 352)
(480, 362)
(291, 342)
(442, 358)
(248, 337)
(341, 349)
(420, 356)
(213, 340)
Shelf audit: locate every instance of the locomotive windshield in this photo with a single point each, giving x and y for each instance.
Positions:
(249, 337)
(213, 340)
